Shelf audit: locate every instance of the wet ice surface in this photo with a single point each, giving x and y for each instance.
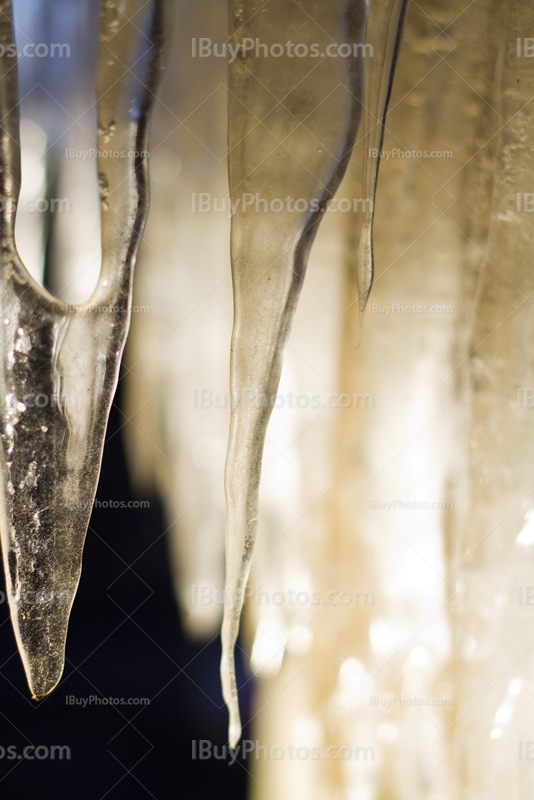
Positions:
(296, 150)
(60, 363)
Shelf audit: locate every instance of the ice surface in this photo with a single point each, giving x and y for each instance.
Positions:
(60, 363)
(292, 124)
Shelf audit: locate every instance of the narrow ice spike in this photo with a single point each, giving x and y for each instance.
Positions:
(292, 126)
(384, 34)
(51, 451)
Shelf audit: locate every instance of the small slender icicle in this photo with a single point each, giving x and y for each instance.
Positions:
(292, 125)
(59, 364)
(384, 34)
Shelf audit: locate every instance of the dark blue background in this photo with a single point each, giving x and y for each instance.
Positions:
(124, 641)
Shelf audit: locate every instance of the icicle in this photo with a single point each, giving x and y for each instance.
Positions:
(384, 34)
(493, 547)
(292, 125)
(60, 363)
(176, 396)
(395, 451)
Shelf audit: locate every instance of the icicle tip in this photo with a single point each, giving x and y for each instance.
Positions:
(229, 686)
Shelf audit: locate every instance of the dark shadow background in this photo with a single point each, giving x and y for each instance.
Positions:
(124, 641)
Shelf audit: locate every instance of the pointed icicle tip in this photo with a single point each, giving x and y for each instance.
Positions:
(42, 683)
(364, 273)
(229, 687)
(235, 734)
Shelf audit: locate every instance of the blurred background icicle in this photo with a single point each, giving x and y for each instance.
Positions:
(495, 545)
(177, 399)
(387, 641)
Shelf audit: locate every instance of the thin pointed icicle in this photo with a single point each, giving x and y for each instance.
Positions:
(293, 122)
(70, 356)
(384, 34)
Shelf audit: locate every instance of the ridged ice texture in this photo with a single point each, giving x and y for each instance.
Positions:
(384, 35)
(292, 124)
(495, 546)
(51, 451)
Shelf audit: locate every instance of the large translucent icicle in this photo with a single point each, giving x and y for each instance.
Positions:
(384, 34)
(292, 124)
(70, 356)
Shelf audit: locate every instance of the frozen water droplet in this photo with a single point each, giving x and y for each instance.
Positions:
(107, 132)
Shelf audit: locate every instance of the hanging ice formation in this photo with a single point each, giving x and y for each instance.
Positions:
(175, 445)
(51, 454)
(384, 35)
(286, 161)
